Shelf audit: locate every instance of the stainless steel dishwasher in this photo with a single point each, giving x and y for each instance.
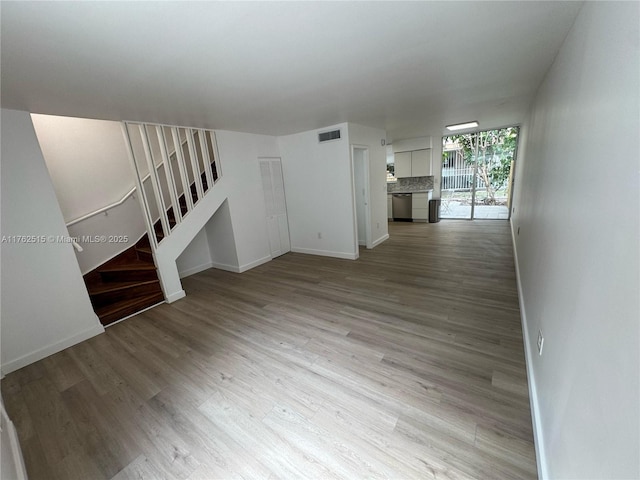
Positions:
(401, 207)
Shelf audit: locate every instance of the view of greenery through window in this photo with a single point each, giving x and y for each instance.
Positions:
(476, 169)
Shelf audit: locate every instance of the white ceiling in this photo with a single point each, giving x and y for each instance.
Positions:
(281, 67)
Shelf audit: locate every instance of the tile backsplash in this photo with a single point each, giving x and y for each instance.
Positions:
(410, 184)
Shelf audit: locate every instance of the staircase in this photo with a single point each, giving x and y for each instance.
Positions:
(129, 283)
(125, 285)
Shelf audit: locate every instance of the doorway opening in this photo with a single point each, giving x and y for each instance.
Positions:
(362, 213)
(477, 174)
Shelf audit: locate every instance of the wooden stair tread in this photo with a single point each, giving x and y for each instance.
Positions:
(140, 265)
(126, 284)
(106, 287)
(124, 305)
(114, 312)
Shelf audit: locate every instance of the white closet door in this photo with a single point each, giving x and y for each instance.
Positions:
(267, 186)
(274, 237)
(276, 206)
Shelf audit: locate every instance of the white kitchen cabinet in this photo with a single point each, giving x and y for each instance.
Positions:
(413, 164)
(420, 206)
(420, 163)
(389, 206)
(402, 163)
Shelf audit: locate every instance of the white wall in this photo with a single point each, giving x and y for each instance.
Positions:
(45, 305)
(371, 137)
(577, 207)
(196, 257)
(411, 144)
(222, 241)
(317, 179)
(87, 161)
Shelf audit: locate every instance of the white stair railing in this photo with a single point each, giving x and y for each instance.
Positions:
(189, 159)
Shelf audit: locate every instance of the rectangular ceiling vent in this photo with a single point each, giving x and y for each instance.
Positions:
(328, 136)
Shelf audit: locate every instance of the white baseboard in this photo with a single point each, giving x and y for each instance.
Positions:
(326, 253)
(133, 314)
(175, 296)
(254, 264)
(226, 267)
(541, 458)
(192, 271)
(41, 353)
(383, 238)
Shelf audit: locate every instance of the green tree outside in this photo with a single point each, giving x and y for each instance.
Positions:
(496, 150)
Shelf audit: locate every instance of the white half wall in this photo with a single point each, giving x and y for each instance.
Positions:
(245, 243)
(45, 305)
(577, 206)
(317, 179)
(371, 137)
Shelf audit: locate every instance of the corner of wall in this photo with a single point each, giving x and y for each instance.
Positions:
(254, 264)
(380, 240)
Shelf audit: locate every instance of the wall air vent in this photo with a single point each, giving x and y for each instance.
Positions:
(328, 136)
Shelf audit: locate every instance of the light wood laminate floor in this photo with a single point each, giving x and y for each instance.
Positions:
(407, 363)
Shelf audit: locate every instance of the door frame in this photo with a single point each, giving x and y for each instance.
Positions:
(367, 196)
